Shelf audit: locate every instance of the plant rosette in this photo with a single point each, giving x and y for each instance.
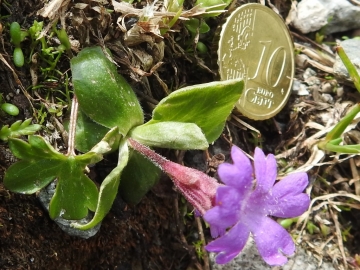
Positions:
(110, 108)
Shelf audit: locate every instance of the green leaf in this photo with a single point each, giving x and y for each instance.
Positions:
(206, 105)
(349, 66)
(36, 148)
(28, 177)
(75, 193)
(194, 24)
(35, 30)
(15, 33)
(138, 177)
(10, 109)
(109, 143)
(108, 189)
(18, 57)
(174, 135)
(344, 149)
(344, 122)
(18, 129)
(103, 94)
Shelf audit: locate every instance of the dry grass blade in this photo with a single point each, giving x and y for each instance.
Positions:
(304, 218)
(356, 177)
(339, 236)
(51, 9)
(126, 8)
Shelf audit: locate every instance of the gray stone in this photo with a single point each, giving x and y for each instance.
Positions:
(351, 48)
(250, 259)
(45, 196)
(300, 89)
(334, 15)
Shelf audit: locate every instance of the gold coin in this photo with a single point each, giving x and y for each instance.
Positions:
(255, 45)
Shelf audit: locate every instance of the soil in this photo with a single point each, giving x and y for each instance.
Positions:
(157, 233)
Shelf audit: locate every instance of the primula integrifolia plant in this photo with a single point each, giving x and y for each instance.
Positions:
(245, 205)
(105, 116)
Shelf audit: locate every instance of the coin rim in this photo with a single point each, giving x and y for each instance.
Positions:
(286, 31)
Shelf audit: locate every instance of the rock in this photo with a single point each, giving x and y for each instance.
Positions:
(45, 196)
(300, 89)
(309, 73)
(334, 15)
(351, 48)
(250, 259)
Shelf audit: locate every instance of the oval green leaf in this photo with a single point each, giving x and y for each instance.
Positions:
(174, 135)
(206, 105)
(103, 94)
(137, 178)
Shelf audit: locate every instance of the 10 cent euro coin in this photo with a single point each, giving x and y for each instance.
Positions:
(255, 45)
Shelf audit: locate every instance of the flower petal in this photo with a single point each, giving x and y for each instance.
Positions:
(239, 174)
(286, 198)
(229, 245)
(288, 207)
(273, 241)
(265, 171)
(225, 214)
(294, 183)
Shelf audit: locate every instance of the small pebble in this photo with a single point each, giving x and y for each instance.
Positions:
(326, 88)
(327, 98)
(340, 91)
(309, 73)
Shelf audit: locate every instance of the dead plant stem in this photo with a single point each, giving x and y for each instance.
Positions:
(202, 238)
(355, 175)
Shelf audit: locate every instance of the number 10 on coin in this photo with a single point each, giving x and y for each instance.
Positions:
(255, 45)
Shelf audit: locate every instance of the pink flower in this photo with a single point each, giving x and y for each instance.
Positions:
(245, 206)
(197, 187)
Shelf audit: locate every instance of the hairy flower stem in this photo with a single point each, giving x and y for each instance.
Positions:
(147, 152)
(72, 127)
(197, 187)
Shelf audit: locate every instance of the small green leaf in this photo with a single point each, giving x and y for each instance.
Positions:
(174, 135)
(206, 105)
(108, 189)
(17, 129)
(35, 30)
(36, 148)
(75, 193)
(194, 24)
(28, 177)
(138, 177)
(103, 94)
(18, 57)
(10, 109)
(311, 227)
(15, 33)
(64, 39)
(286, 223)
